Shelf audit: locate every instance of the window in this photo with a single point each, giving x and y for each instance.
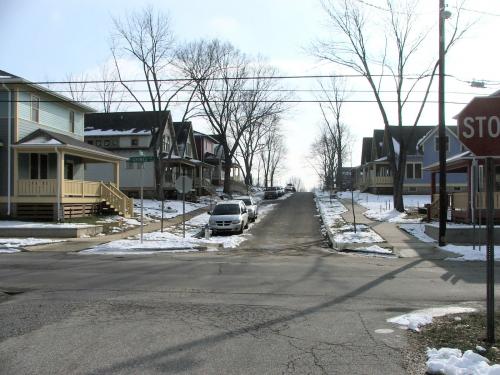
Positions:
(72, 121)
(98, 143)
(106, 143)
(446, 141)
(35, 108)
(413, 189)
(114, 142)
(134, 142)
(37, 166)
(129, 165)
(414, 170)
(90, 142)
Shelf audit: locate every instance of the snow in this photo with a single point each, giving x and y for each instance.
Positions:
(467, 252)
(331, 211)
(173, 242)
(449, 361)
(380, 207)
(31, 224)
(152, 208)
(374, 249)
(98, 132)
(417, 319)
(396, 146)
(12, 245)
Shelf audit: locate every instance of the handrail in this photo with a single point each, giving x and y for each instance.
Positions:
(117, 199)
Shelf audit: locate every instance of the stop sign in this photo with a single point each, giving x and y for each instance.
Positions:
(479, 126)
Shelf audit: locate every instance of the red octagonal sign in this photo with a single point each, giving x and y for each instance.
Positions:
(479, 126)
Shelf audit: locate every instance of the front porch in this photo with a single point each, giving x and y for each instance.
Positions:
(49, 179)
(470, 206)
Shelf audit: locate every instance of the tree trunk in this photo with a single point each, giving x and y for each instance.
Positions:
(227, 175)
(398, 181)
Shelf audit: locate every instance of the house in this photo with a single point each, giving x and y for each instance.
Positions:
(374, 174)
(235, 173)
(128, 134)
(467, 205)
(208, 151)
(45, 158)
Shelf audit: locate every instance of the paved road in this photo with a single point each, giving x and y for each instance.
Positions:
(218, 313)
(293, 227)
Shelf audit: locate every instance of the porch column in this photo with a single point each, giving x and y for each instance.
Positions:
(16, 172)
(116, 173)
(433, 184)
(60, 183)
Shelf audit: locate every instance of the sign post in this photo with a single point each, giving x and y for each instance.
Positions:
(479, 130)
(183, 184)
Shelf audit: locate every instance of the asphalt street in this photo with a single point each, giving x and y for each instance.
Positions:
(281, 304)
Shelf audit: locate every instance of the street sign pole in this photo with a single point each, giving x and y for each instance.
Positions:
(490, 252)
(443, 197)
(183, 205)
(142, 202)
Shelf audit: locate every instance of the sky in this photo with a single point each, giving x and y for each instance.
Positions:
(48, 39)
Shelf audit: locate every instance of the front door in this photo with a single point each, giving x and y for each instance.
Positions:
(68, 170)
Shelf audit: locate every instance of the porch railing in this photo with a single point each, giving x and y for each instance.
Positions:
(37, 188)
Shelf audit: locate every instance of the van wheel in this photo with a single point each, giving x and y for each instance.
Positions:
(241, 229)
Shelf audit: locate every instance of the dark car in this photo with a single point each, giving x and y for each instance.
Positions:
(271, 193)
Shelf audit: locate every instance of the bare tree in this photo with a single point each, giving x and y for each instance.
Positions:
(147, 38)
(333, 96)
(262, 102)
(219, 72)
(108, 89)
(351, 46)
(324, 158)
(76, 86)
(272, 155)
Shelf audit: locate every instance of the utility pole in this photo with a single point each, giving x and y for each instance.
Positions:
(443, 197)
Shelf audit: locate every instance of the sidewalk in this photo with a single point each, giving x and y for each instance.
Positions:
(78, 244)
(403, 244)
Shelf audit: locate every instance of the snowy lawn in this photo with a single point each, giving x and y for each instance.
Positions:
(467, 252)
(380, 207)
(331, 211)
(152, 207)
(419, 318)
(13, 245)
(173, 242)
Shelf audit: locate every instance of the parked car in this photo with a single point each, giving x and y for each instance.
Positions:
(251, 207)
(289, 188)
(271, 193)
(281, 191)
(228, 216)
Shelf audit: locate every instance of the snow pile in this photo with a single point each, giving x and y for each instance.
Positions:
(417, 319)
(375, 249)
(448, 361)
(418, 231)
(331, 211)
(380, 207)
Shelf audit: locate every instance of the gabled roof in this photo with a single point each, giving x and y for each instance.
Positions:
(46, 137)
(449, 128)
(200, 134)
(403, 133)
(366, 151)
(120, 123)
(11, 79)
(183, 130)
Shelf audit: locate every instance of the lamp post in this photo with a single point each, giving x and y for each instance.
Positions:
(443, 197)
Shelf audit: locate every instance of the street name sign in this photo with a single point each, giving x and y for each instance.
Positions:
(140, 159)
(479, 126)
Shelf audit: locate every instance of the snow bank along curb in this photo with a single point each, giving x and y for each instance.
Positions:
(343, 237)
(449, 361)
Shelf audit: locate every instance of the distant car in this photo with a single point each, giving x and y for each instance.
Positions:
(251, 207)
(271, 193)
(289, 188)
(281, 191)
(229, 216)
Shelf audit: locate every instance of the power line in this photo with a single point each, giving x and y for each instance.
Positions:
(229, 101)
